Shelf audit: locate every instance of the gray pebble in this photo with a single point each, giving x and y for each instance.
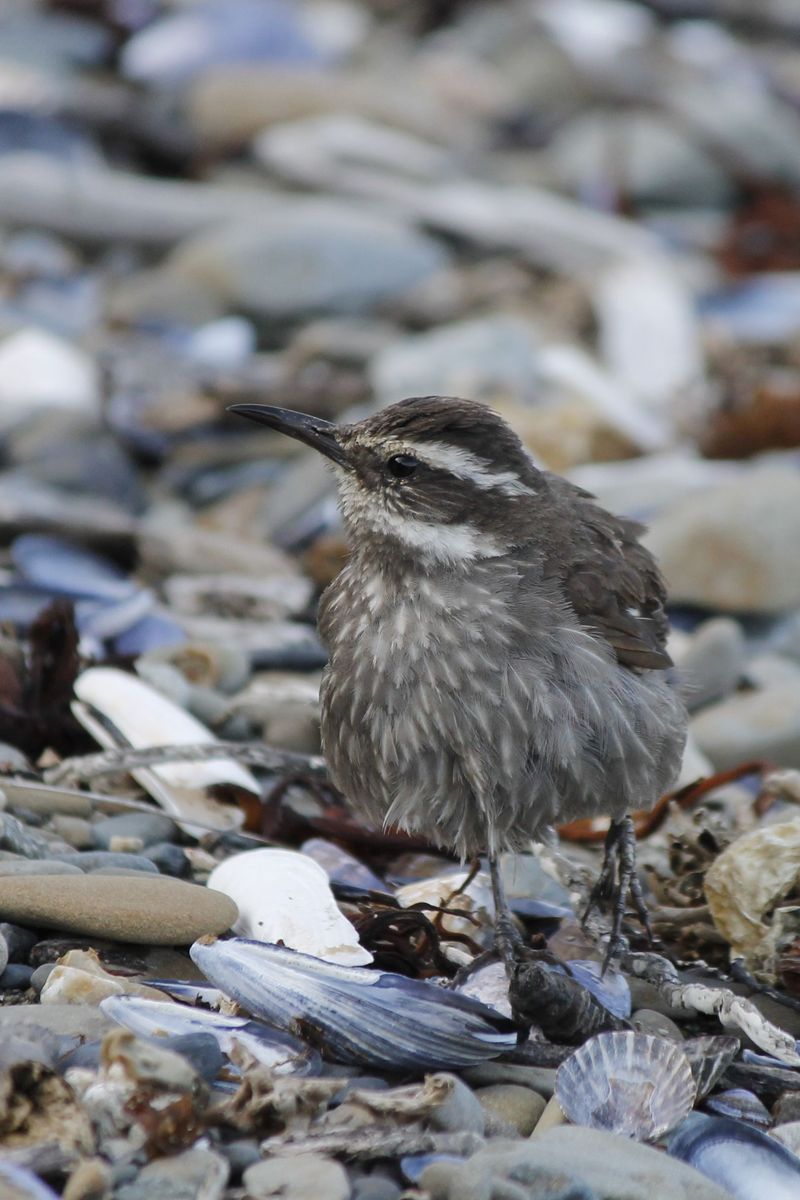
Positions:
(461, 1111)
(512, 1105)
(376, 1187)
(75, 831)
(22, 839)
(241, 1154)
(20, 941)
(647, 1020)
(183, 1176)
(41, 975)
(301, 1177)
(16, 977)
(568, 1163)
(713, 663)
(169, 858)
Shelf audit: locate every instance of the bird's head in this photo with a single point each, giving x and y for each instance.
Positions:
(435, 477)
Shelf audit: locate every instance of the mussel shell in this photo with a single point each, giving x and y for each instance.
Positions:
(352, 1014)
(627, 1083)
(749, 1163)
(741, 1105)
(280, 1051)
(709, 1058)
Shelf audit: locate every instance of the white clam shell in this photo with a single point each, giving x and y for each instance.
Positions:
(143, 717)
(284, 897)
(633, 1084)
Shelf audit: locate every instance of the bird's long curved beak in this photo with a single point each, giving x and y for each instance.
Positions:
(304, 428)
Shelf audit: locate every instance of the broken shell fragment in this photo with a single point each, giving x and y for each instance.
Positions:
(119, 709)
(709, 1058)
(353, 1015)
(746, 881)
(633, 1084)
(285, 897)
(281, 1052)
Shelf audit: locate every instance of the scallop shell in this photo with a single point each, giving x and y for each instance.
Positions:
(709, 1058)
(283, 896)
(135, 714)
(353, 1015)
(633, 1084)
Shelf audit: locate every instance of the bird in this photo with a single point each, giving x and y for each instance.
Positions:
(496, 640)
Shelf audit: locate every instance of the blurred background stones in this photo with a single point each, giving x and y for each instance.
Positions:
(586, 214)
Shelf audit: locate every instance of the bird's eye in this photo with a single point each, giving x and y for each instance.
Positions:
(402, 465)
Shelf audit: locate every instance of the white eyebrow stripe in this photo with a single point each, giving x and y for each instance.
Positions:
(469, 466)
(438, 543)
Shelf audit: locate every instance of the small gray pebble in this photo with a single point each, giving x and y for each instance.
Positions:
(207, 705)
(241, 1154)
(170, 859)
(512, 1106)
(646, 1020)
(75, 831)
(376, 1187)
(16, 978)
(461, 1111)
(40, 976)
(22, 839)
(20, 941)
(301, 1177)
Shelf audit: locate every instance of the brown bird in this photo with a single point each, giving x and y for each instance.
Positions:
(496, 640)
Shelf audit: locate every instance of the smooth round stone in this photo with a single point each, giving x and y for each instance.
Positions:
(148, 827)
(513, 1105)
(194, 1173)
(301, 1177)
(647, 1020)
(713, 662)
(41, 975)
(20, 941)
(15, 978)
(570, 1161)
(764, 724)
(241, 1154)
(75, 831)
(461, 1111)
(92, 860)
(729, 547)
(150, 909)
(4, 954)
(376, 1187)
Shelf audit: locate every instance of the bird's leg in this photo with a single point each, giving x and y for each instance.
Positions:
(617, 878)
(507, 939)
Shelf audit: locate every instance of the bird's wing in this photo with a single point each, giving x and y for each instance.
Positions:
(609, 578)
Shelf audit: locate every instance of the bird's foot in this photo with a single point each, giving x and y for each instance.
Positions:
(617, 879)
